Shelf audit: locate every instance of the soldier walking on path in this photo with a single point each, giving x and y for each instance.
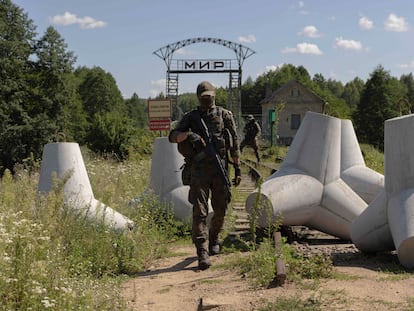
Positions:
(252, 133)
(210, 132)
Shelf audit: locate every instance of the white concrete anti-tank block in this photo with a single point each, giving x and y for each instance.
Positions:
(165, 174)
(65, 159)
(307, 189)
(388, 222)
(370, 231)
(316, 148)
(165, 179)
(399, 185)
(366, 182)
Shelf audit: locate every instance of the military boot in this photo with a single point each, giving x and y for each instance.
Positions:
(203, 259)
(214, 247)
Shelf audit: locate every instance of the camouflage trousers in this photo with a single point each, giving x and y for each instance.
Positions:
(253, 144)
(205, 181)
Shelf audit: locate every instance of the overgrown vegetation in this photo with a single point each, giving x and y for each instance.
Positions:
(373, 157)
(53, 258)
(259, 264)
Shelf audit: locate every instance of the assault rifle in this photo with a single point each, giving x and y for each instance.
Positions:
(211, 151)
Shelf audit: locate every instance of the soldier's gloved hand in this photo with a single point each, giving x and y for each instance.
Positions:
(197, 141)
(237, 175)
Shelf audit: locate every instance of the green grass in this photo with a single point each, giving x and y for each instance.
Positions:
(53, 258)
(373, 158)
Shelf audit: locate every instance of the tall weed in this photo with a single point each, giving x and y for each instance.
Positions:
(373, 158)
(54, 258)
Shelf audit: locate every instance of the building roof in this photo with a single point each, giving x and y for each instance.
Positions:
(276, 94)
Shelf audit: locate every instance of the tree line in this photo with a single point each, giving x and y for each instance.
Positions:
(44, 98)
(368, 104)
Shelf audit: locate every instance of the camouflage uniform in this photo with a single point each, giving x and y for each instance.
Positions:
(204, 176)
(252, 132)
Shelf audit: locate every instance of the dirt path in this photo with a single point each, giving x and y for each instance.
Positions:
(360, 283)
(176, 284)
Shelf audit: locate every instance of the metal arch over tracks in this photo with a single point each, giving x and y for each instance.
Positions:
(166, 52)
(203, 66)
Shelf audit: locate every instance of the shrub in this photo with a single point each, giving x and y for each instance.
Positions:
(111, 133)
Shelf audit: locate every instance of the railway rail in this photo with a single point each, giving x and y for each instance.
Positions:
(257, 172)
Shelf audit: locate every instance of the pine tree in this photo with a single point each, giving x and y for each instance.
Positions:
(378, 103)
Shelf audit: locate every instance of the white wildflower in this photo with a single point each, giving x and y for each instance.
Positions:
(47, 303)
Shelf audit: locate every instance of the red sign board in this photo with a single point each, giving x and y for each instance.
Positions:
(159, 114)
(160, 125)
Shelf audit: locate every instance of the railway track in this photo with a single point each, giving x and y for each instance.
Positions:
(252, 172)
(256, 172)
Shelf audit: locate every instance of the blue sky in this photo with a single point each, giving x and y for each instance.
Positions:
(339, 39)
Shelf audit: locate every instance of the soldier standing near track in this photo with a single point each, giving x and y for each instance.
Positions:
(252, 133)
(211, 132)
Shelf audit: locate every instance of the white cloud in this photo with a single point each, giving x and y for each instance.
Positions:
(365, 23)
(68, 18)
(348, 44)
(409, 65)
(310, 31)
(304, 48)
(395, 23)
(154, 93)
(158, 87)
(271, 68)
(248, 39)
(160, 82)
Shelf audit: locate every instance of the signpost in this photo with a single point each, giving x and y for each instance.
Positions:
(159, 114)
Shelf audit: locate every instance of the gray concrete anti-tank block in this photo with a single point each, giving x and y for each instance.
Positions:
(307, 189)
(62, 160)
(366, 182)
(165, 179)
(370, 231)
(399, 185)
(165, 174)
(388, 222)
(316, 148)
